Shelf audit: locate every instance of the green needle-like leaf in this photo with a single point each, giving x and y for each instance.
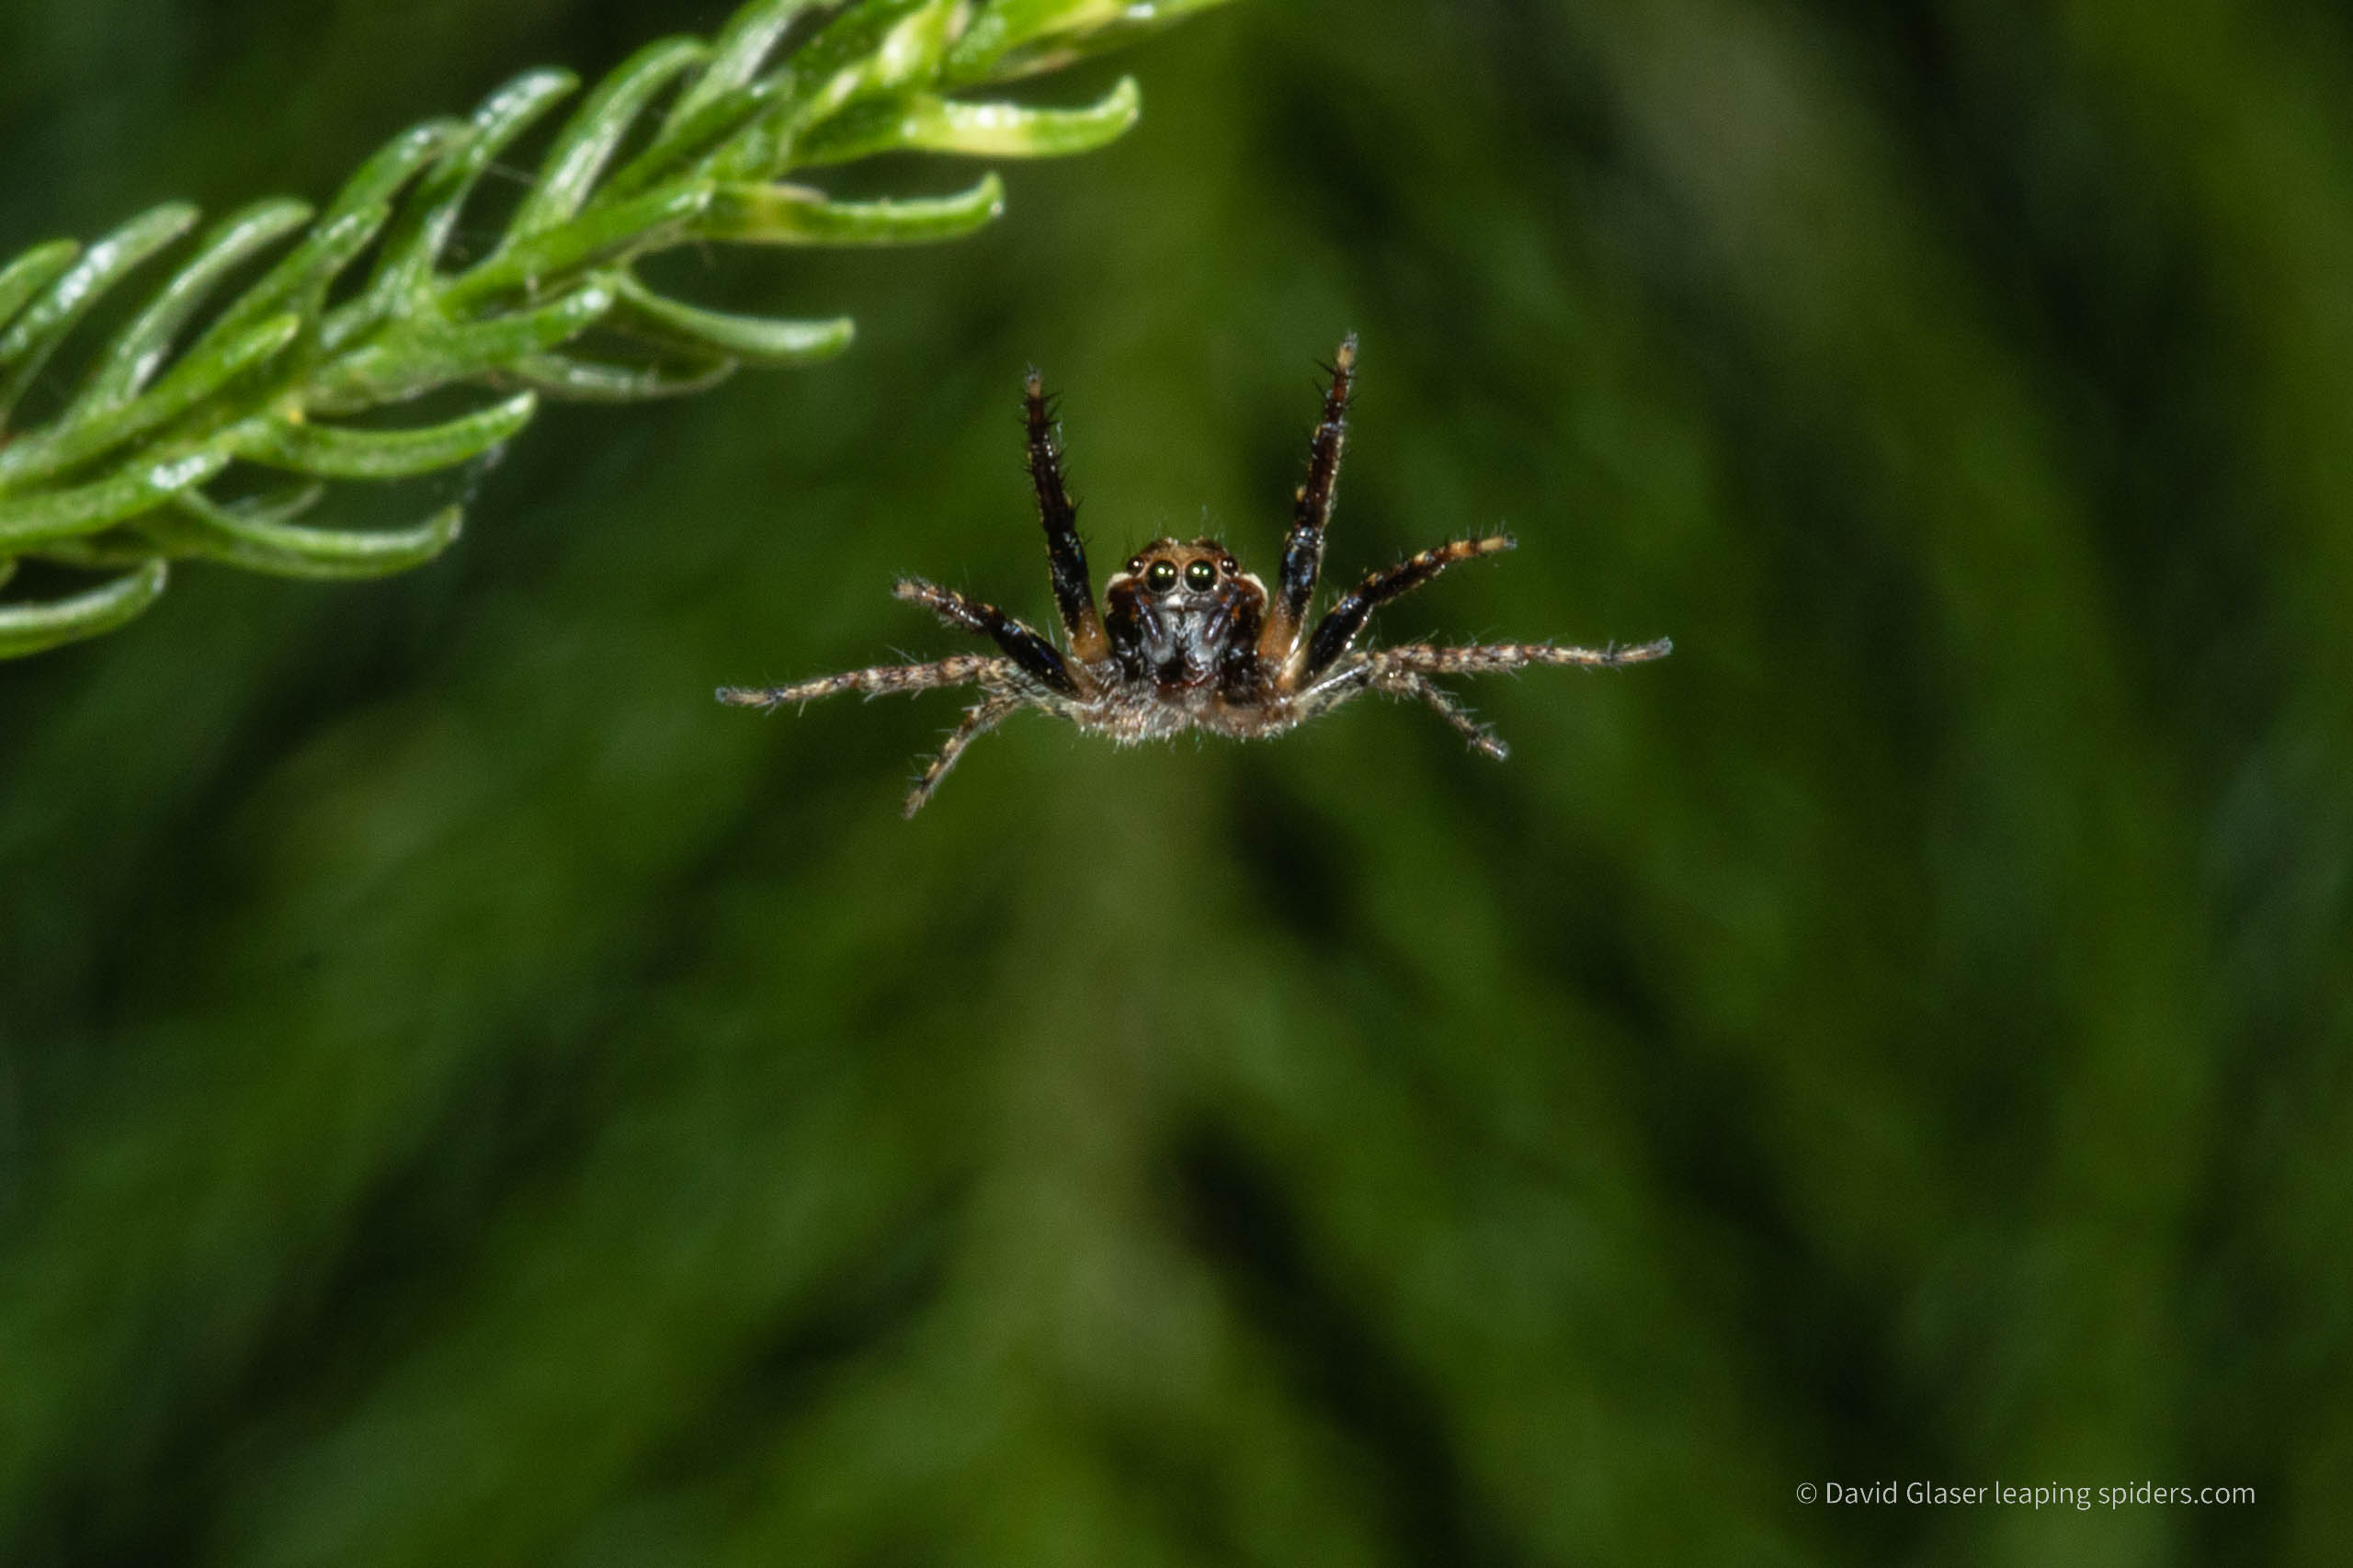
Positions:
(426, 354)
(754, 339)
(587, 143)
(28, 343)
(140, 349)
(194, 379)
(30, 522)
(391, 166)
(31, 273)
(681, 146)
(1021, 38)
(282, 507)
(928, 123)
(31, 627)
(596, 380)
(875, 46)
(736, 55)
(609, 234)
(197, 524)
(339, 235)
(342, 452)
(423, 228)
(795, 215)
(300, 281)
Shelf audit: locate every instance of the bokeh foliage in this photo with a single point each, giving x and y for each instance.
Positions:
(467, 1098)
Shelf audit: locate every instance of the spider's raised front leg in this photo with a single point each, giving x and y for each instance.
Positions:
(979, 720)
(1343, 620)
(1278, 638)
(1065, 552)
(964, 669)
(1037, 657)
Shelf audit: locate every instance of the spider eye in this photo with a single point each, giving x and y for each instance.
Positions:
(1200, 577)
(1135, 563)
(1162, 577)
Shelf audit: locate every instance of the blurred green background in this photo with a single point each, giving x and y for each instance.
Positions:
(465, 1097)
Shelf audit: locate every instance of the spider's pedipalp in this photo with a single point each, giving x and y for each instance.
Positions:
(1065, 552)
(1344, 619)
(962, 669)
(1311, 512)
(979, 720)
(1027, 648)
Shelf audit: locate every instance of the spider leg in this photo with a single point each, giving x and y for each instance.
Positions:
(1065, 554)
(1035, 655)
(1499, 658)
(1442, 701)
(1344, 619)
(979, 720)
(1311, 510)
(964, 669)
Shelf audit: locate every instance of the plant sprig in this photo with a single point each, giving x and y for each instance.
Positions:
(118, 479)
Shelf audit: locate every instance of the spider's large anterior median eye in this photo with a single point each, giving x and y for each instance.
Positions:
(1200, 577)
(1162, 577)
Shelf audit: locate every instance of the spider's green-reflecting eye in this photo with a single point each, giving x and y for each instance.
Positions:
(1162, 577)
(1200, 577)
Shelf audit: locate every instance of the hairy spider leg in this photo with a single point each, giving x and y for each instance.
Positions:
(1065, 553)
(961, 669)
(1481, 738)
(1344, 619)
(1501, 658)
(1035, 655)
(1406, 672)
(979, 720)
(1311, 511)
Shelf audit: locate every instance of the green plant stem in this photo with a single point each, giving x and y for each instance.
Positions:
(117, 477)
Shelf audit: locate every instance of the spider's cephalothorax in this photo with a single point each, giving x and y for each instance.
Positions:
(1183, 621)
(1189, 638)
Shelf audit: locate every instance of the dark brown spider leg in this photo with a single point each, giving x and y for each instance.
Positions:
(1037, 657)
(964, 669)
(1480, 738)
(1065, 553)
(1340, 625)
(1311, 510)
(1500, 658)
(979, 720)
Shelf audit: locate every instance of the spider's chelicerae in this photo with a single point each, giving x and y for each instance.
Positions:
(1190, 640)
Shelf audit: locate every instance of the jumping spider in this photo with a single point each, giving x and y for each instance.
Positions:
(1190, 639)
